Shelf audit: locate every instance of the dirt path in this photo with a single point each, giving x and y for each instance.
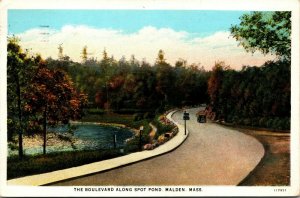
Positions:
(211, 155)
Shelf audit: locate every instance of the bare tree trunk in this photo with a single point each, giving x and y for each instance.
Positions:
(20, 118)
(45, 129)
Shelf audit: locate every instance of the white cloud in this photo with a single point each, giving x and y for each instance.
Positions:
(144, 43)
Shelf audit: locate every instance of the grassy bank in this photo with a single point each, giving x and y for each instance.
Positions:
(126, 119)
(55, 161)
(274, 168)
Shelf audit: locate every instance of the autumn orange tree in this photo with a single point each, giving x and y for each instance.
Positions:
(215, 82)
(53, 99)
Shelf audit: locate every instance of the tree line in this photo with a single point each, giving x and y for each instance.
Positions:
(136, 85)
(254, 96)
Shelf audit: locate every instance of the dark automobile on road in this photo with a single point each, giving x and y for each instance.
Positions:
(201, 118)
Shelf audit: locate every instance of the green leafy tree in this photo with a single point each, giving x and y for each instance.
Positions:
(19, 71)
(268, 32)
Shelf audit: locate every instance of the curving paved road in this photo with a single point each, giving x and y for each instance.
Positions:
(211, 155)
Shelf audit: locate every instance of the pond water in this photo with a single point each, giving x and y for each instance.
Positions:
(83, 137)
(97, 136)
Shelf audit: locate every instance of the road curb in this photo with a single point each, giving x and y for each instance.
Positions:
(105, 165)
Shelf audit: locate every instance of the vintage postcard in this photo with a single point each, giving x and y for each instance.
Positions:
(149, 98)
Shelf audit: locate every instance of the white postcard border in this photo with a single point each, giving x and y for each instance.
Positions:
(266, 5)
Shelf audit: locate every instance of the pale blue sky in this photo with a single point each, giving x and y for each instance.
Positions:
(201, 23)
(198, 36)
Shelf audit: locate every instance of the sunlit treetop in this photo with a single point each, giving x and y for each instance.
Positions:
(268, 32)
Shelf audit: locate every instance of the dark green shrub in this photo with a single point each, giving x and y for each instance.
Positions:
(255, 122)
(138, 116)
(239, 121)
(132, 147)
(159, 110)
(128, 111)
(161, 128)
(235, 119)
(13, 146)
(269, 123)
(263, 122)
(247, 121)
(95, 111)
(149, 115)
(277, 123)
(286, 124)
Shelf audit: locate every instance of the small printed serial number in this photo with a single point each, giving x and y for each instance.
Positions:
(279, 190)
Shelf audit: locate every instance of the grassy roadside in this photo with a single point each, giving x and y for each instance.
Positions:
(31, 165)
(274, 168)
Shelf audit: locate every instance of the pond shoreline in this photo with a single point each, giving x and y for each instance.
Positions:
(36, 142)
(66, 141)
(107, 124)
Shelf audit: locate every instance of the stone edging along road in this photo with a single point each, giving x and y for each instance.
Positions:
(51, 177)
